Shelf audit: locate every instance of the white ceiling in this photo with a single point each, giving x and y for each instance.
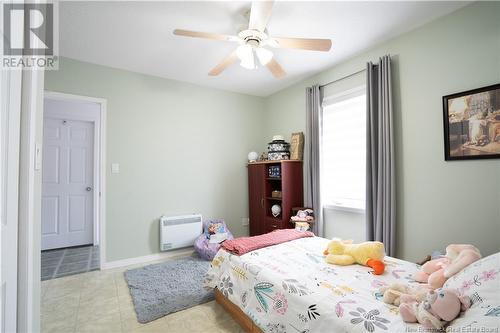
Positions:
(137, 36)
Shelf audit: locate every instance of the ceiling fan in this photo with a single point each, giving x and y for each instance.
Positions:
(254, 40)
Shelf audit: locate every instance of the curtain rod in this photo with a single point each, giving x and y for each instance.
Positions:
(343, 78)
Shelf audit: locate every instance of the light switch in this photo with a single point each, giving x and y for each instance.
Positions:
(115, 168)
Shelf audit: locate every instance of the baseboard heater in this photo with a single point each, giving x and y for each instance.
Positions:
(179, 231)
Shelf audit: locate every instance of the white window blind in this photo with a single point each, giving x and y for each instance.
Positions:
(343, 150)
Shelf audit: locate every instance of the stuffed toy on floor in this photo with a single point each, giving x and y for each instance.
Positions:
(344, 253)
(436, 272)
(208, 243)
(437, 309)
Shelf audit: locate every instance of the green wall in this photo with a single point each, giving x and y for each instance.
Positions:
(182, 148)
(438, 202)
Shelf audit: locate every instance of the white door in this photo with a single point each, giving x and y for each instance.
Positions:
(67, 183)
(10, 110)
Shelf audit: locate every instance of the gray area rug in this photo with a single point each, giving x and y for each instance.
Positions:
(160, 289)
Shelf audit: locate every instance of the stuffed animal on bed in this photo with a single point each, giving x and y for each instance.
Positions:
(437, 271)
(437, 309)
(344, 253)
(392, 294)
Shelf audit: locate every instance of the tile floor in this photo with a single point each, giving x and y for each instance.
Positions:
(99, 301)
(74, 260)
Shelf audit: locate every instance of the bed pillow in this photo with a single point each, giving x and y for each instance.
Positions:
(481, 282)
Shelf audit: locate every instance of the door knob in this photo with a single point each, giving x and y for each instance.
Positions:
(88, 189)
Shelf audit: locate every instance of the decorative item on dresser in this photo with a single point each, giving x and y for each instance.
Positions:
(297, 146)
(278, 149)
(276, 209)
(274, 171)
(253, 156)
(261, 198)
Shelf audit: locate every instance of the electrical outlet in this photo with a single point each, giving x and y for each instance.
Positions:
(245, 221)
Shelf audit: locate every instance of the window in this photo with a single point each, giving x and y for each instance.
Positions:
(343, 151)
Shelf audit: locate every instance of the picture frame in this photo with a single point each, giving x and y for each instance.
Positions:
(471, 122)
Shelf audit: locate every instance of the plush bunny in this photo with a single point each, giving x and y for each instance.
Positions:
(437, 271)
(439, 307)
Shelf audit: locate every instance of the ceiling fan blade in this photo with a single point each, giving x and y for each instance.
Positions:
(304, 43)
(207, 35)
(276, 69)
(260, 14)
(228, 61)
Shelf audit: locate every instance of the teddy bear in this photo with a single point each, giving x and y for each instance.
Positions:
(344, 253)
(435, 272)
(437, 309)
(393, 293)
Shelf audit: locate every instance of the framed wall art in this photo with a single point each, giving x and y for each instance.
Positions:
(472, 124)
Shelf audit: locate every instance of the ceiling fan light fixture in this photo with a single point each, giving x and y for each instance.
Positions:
(264, 55)
(248, 63)
(245, 54)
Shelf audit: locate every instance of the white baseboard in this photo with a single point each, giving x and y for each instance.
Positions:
(148, 258)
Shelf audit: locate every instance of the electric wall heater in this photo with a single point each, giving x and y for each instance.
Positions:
(179, 231)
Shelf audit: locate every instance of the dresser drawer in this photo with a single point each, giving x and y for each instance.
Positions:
(273, 224)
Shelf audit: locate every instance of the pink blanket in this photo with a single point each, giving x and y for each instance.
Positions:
(242, 245)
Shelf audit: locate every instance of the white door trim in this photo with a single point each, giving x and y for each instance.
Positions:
(10, 121)
(30, 181)
(99, 162)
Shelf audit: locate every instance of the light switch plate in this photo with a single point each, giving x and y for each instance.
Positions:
(245, 221)
(115, 168)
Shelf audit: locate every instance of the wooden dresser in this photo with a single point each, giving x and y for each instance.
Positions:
(260, 188)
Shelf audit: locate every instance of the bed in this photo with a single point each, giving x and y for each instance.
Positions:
(289, 288)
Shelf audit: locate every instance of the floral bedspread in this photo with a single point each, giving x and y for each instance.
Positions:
(290, 288)
(481, 282)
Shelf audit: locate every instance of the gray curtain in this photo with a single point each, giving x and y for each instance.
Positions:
(314, 97)
(380, 170)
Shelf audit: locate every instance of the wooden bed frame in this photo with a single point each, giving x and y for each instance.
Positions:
(239, 316)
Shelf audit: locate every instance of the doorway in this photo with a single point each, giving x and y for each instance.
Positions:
(72, 180)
